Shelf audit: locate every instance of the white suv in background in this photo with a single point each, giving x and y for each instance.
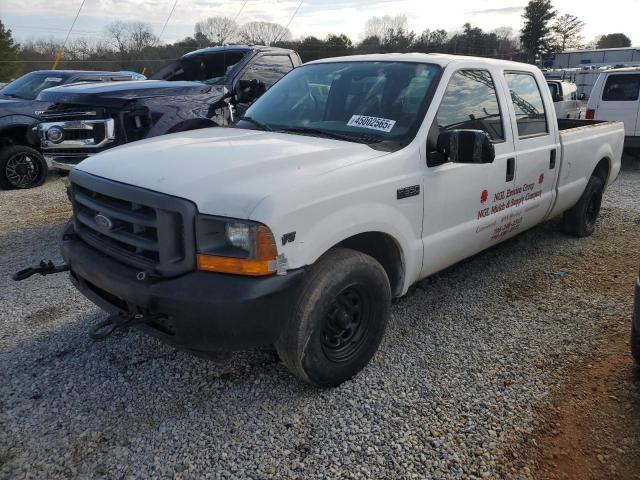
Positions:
(616, 96)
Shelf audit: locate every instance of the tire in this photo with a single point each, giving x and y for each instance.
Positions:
(580, 220)
(21, 167)
(339, 318)
(635, 345)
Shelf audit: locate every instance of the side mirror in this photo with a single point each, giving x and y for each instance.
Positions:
(465, 146)
(582, 96)
(556, 98)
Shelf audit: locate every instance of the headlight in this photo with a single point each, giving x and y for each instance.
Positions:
(238, 235)
(233, 246)
(55, 134)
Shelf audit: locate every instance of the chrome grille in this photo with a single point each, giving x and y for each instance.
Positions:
(138, 227)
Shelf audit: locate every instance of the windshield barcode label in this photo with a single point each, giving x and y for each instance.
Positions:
(374, 123)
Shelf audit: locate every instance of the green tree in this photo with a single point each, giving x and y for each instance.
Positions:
(9, 68)
(536, 33)
(614, 40)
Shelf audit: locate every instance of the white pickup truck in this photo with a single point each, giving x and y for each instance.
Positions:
(348, 181)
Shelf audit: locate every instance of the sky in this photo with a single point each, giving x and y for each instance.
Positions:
(52, 18)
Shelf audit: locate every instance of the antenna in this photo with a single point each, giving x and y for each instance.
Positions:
(290, 20)
(58, 57)
(167, 21)
(240, 11)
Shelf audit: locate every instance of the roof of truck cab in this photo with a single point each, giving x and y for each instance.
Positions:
(436, 58)
(239, 48)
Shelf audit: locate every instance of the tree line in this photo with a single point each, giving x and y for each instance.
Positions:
(134, 45)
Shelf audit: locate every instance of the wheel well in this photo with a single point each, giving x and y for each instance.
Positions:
(602, 170)
(18, 135)
(385, 250)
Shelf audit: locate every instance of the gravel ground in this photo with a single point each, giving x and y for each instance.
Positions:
(452, 392)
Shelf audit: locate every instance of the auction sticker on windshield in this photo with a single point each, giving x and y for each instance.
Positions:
(373, 123)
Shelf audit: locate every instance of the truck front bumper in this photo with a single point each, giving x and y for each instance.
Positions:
(201, 311)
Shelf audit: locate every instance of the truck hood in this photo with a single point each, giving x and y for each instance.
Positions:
(225, 171)
(117, 94)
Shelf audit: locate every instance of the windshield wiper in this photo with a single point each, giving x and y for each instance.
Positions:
(12, 95)
(325, 133)
(260, 125)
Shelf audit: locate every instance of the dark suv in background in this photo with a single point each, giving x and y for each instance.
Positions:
(205, 88)
(21, 164)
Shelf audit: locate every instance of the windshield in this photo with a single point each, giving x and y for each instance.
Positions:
(207, 68)
(30, 85)
(368, 102)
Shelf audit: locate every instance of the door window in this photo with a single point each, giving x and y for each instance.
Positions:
(621, 88)
(470, 102)
(527, 102)
(269, 69)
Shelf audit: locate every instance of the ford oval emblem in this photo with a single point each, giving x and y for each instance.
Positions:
(103, 222)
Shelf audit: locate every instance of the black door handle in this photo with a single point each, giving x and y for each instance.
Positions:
(552, 159)
(511, 169)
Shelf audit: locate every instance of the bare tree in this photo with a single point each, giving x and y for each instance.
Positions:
(264, 33)
(129, 39)
(383, 27)
(218, 30)
(79, 49)
(566, 31)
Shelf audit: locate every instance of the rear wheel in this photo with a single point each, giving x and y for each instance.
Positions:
(21, 167)
(339, 320)
(581, 219)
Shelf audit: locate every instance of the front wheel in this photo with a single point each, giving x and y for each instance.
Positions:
(580, 220)
(339, 318)
(21, 167)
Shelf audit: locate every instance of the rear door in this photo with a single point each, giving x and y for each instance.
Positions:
(620, 101)
(536, 150)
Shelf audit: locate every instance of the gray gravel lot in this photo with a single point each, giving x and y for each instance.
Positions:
(450, 394)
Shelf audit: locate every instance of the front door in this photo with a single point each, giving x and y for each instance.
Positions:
(537, 154)
(467, 205)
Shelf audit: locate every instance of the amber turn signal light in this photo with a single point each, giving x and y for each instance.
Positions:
(262, 261)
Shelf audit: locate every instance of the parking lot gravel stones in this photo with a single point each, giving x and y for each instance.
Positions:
(452, 392)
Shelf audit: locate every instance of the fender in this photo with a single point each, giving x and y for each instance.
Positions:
(18, 121)
(12, 122)
(332, 229)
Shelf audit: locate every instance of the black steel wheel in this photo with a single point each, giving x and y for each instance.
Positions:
(580, 220)
(346, 323)
(338, 320)
(21, 167)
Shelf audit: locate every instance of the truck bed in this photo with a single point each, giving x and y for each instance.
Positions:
(583, 144)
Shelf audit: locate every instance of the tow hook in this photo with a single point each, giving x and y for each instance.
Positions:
(119, 321)
(45, 268)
